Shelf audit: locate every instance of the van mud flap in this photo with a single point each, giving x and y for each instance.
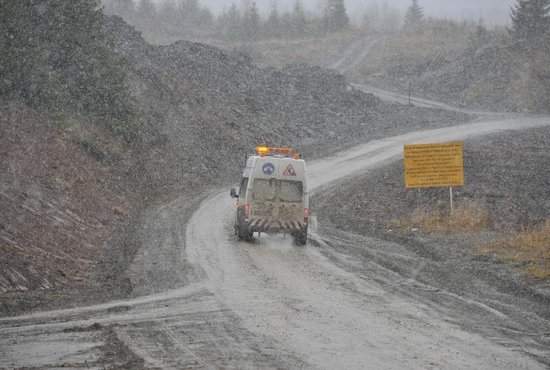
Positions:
(265, 224)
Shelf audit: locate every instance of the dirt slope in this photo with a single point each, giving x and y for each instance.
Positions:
(58, 198)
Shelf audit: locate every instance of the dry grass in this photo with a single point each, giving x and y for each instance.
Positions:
(405, 53)
(529, 250)
(467, 217)
(314, 50)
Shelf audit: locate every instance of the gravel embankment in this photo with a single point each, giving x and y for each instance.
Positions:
(507, 174)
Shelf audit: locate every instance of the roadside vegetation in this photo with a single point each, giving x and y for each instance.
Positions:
(67, 131)
(528, 250)
(469, 63)
(501, 212)
(468, 216)
(168, 20)
(274, 38)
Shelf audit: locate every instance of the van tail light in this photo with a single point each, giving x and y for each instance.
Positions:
(306, 214)
(246, 209)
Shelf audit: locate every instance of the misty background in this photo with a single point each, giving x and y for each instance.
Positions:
(491, 11)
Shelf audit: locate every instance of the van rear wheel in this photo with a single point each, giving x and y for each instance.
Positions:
(300, 238)
(243, 233)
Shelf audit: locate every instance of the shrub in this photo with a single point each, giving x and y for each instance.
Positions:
(467, 217)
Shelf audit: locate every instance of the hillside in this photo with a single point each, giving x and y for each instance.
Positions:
(505, 195)
(194, 95)
(74, 196)
(463, 64)
(59, 197)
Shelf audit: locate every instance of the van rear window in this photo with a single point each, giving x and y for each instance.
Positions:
(281, 190)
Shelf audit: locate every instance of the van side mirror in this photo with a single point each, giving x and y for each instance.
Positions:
(233, 193)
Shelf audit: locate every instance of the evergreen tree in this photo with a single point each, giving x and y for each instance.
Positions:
(205, 18)
(273, 24)
(190, 10)
(298, 20)
(414, 17)
(481, 35)
(146, 14)
(24, 69)
(232, 23)
(381, 18)
(390, 18)
(530, 18)
(371, 18)
(56, 54)
(168, 15)
(335, 17)
(252, 22)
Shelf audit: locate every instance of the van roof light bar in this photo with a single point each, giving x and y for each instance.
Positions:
(267, 150)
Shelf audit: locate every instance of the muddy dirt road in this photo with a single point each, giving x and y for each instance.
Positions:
(270, 304)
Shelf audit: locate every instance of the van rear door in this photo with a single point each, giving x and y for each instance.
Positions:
(277, 200)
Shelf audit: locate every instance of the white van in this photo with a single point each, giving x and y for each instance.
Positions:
(273, 195)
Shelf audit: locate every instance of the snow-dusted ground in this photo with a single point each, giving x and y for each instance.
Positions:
(268, 304)
(329, 316)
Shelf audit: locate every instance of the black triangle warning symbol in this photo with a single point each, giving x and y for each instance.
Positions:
(289, 171)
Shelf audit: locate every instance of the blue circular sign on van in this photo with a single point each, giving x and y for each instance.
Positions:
(268, 169)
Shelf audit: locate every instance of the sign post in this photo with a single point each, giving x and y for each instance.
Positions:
(451, 192)
(434, 165)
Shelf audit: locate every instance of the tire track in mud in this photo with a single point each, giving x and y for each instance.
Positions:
(492, 315)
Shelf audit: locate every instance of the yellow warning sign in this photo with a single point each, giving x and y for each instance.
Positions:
(433, 165)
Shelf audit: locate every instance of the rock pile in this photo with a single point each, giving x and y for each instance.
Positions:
(206, 108)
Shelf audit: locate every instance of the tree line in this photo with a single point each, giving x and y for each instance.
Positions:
(530, 19)
(246, 23)
(185, 18)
